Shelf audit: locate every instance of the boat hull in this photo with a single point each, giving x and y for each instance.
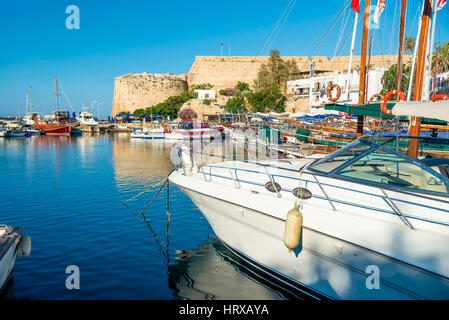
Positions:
(8, 254)
(57, 131)
(333, 266)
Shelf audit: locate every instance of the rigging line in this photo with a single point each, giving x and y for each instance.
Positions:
(394, 25)
(282, 24)
(342, 31)
(327, 34)
(267, 39)
(65, 96)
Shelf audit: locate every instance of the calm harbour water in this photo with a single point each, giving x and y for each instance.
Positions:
(67, 193)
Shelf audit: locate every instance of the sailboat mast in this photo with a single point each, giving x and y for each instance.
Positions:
(31, 100)
(57, 105)
(417, 94)
(360, 119)
(401, 44)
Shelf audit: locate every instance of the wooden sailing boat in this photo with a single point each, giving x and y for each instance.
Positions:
(58, 128)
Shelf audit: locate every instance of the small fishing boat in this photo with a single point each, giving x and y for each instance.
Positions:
(76, 131)
(12, 243)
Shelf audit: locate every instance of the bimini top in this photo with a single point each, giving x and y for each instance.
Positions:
(437, 110)
(372, 159)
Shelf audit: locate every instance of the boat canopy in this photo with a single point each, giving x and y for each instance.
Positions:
(373, 110)
(372, 159)
(437, 110)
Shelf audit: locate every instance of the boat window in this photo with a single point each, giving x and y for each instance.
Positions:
(381, 166)
(340, 157)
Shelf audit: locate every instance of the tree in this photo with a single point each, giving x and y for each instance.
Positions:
(242, 86)
(139, 113)
(443, 57)
(267, 100)
(236, 103)
(275, 74)
(389, 79)
(409, 45)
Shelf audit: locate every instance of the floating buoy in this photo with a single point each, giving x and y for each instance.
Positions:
(293, 228)
(24, 247)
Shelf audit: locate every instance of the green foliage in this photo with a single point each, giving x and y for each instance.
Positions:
(139, 113)
(265, 100)
(275, 74)
(242, 86)
(236, 103)
(409, 45)
(206, 102)
(125, 112)
(222, 92)
(443, 57)
(203, 86)
(389, 79)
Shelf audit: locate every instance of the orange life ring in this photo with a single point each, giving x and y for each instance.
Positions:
(383, 103)
(375, 96)
(439, 97)
(329, 95)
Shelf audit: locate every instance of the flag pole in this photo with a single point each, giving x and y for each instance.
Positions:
(351, 53)
(415, 52)
(401, 44)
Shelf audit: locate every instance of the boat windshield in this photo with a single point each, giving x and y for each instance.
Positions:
(373, 162)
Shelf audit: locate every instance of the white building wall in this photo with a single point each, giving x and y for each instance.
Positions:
(315, 88)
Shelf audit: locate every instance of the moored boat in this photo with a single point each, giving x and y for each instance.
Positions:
(12, 243)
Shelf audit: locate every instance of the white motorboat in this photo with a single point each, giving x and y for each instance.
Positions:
(375, 221)
(86, 119)
(12, 243)
(156, 131)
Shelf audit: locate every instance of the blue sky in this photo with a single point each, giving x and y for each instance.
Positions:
(119, 37)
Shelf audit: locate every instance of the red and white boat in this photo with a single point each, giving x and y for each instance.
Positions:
(190, 130)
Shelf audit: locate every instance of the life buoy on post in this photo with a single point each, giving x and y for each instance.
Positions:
(329, 92)
(374, 97)
(439, 97)
(383, 103)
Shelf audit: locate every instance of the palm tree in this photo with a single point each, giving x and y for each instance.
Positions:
(409, 45)
(443, 57)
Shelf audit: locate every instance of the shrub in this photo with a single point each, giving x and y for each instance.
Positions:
(187, 113)
(206, 102)
(222, 92)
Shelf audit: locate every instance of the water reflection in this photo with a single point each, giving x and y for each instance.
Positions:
(212, 272)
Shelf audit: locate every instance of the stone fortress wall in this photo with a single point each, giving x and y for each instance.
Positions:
(133, 91)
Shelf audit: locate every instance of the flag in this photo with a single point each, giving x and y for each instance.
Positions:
(355, 5)
(379, 9)
(440, 4)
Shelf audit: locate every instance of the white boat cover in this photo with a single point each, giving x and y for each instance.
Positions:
(434, 110)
